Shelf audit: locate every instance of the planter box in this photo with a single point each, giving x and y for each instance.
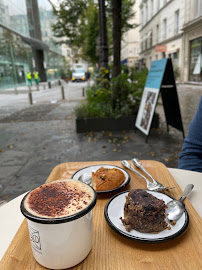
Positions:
(110, 124)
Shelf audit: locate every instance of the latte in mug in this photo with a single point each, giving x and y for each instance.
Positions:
(59, 199)
(59, 216)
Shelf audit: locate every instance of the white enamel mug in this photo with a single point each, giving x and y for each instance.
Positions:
(61, 242)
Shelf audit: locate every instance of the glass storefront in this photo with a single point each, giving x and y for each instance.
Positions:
(15, 59)
(54, 65)
(13, 14)
(16, 53)
(195, 69)
(47, 18)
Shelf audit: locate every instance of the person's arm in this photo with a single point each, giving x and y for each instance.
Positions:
(190, 157)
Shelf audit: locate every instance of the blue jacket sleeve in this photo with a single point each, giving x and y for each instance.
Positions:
(190, 157)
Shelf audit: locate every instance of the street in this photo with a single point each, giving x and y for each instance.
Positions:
(36, 138)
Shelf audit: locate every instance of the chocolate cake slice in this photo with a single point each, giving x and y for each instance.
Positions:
(143, 212)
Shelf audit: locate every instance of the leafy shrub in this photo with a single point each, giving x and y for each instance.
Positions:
(99, 101)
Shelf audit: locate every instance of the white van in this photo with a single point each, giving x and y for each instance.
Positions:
(78, 75)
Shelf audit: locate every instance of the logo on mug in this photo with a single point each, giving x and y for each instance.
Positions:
(35, 239)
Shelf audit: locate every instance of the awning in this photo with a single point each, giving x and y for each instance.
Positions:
(35, 43)
(125, 61)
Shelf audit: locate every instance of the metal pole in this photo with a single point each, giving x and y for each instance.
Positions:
(63, 92)
(30, 96)
(83, 92)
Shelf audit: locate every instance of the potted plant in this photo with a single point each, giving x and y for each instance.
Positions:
(98, 113)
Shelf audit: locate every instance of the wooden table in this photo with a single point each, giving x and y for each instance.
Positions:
(110, 250)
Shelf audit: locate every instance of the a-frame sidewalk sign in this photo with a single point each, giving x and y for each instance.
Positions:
(160, 79)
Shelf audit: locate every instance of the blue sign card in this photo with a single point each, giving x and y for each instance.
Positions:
(150, 95)
(156, 72)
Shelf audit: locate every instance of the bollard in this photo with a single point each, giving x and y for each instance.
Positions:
(44, 87)
(30, 96)
(83, 92)
(59, 82)
(16, 91)
(63, 92)
(49, 84)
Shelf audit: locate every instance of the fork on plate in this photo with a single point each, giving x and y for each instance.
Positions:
(153, 186)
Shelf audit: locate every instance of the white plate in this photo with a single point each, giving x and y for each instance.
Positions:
(114, 209)
(94, 168)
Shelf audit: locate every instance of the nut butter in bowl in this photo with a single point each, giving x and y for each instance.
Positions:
(59, 216)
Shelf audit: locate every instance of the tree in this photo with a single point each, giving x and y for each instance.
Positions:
(127, 13)
(77, 23)
(91, 34)
(70, 21)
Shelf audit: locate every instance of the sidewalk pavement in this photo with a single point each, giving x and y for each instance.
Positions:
(36, 138)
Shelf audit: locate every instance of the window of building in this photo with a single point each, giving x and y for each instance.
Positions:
(195, 68)
(165, 29)
(75, 52)
(146, 13)
(157, 33)
(175, 59)
(152, 11)
(177, 17)
(151, 39)
(157, 5)
(142, 17)
(144, 43)
(150, 60)
(68, 53)
(15, 59)
(198, 10)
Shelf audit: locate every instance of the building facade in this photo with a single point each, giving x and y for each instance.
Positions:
(192, 42)
(27, 42)
(130, 44)
(173, 29)
(161, 30)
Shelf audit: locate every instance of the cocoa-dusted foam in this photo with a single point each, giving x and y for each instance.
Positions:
(59, 199)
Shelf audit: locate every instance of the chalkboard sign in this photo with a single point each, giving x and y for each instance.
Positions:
(160, 79)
